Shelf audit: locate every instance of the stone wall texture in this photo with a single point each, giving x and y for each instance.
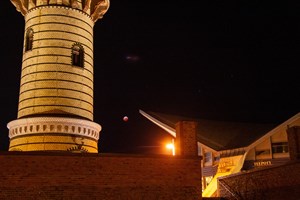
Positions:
(186, 138)
(50, 84)
(294, 142)
(276, 183)
(42, 175)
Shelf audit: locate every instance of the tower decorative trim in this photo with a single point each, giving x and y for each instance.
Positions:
(94, 8)
(53, 133)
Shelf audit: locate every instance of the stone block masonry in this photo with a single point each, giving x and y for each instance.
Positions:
(186, 141)
(294, 142)
(45, 175)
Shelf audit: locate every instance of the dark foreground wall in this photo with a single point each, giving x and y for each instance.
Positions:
(29, 175)
(277, 183)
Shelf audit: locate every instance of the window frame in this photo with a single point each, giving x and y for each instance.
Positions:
(29, 40)
(77, 55)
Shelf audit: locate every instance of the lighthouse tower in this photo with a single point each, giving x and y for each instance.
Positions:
(55, 111)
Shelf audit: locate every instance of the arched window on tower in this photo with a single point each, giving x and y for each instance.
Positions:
(29, 40)
(77, 55)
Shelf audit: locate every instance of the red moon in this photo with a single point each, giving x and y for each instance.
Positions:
(125, 118)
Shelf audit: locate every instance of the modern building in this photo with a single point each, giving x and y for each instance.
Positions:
(272, 182)
(55, 111)
(232, 147)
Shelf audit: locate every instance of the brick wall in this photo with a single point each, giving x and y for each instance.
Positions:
(186, 139)
(276, 183)
(294, 142)
(41, 175)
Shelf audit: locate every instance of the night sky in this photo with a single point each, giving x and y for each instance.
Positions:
(217, 59)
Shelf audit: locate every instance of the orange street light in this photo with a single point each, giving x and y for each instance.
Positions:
(171, 146)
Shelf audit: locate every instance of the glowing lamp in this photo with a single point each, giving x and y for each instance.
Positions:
(171, 146)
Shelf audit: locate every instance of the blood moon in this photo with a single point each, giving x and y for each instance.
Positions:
(125, 118)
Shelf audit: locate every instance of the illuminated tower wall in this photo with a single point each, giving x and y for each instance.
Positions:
(55, 111)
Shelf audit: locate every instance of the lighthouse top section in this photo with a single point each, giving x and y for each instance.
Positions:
(94, 8)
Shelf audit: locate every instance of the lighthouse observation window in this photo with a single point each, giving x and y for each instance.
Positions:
(77, 55)
(29, 40)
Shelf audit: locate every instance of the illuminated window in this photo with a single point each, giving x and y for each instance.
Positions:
(208, 156)
(77, 55)
(29, 40)
(280, 147)
(206, 181)
(217, 159)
